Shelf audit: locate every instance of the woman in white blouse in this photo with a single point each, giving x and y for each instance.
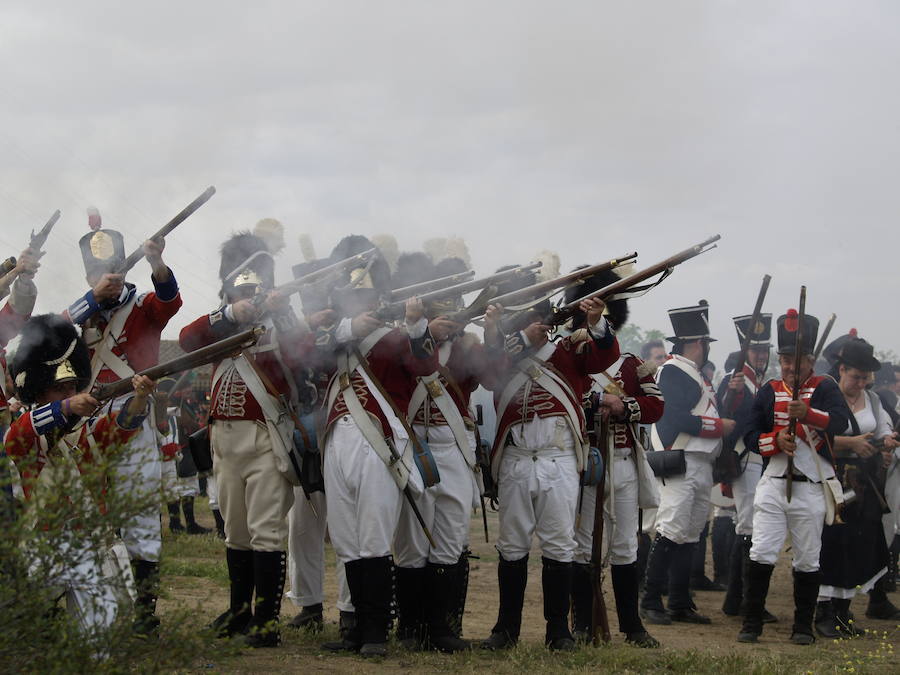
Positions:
(854, 553)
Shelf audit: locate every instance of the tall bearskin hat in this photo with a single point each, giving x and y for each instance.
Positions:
(246, 261)
(690, 323)
(50, 352)
(788, 324)
(760, 334)
(412, 268)
(519, 281)
(616, 310)
(102, 250)
(450, 266)
(364, 283)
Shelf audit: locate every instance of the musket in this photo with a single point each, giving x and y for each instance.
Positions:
(824, 338)
(406, 292)
(795, 394)
(529, 293)
(559, 315)
(183, 215)
(38, 240)
(199, 357)
(329, 272)
(488, 286)
(599, 617)
(36, 243)
(745, 341)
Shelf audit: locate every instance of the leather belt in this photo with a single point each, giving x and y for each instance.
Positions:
(797, 478)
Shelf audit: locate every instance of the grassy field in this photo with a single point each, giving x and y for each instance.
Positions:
(195, 589)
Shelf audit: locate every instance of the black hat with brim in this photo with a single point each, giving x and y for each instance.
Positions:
(690, 323)
(859, 354)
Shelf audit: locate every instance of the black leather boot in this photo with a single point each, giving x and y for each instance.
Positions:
(806, 591)
(351, 638)
(269, 571)
(734, 593)
(582, 602)
(845, 622)
(175, 526)
(659, 561)
(880, 606)
(411, 599)
(826, 621)
(625, 588)
(146, 578)
(240, 573)
(723, 537)
(697, 576)
(756, 589)
(310, 617)
(512, 576)
(193, 527)
(441, 587)
(556, 580)
(681, 607)
(458, 601)
(374, 611)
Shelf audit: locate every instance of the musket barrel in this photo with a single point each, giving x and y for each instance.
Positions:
(199, 357)
(406, 292)
(182, 215)
(560, 282)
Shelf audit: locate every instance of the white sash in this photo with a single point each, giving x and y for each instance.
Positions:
(400, 468)
(103, 353)
(432, 385)
(533, 368)
(704, 406)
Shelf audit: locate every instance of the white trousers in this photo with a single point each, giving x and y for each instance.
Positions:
(254, 497)
(538, 495)
(446, 507)
(620, 539)
(138, 473)
(684, 500)
(174, 486)
(744, 490)
(306, 553)
(363, 499)
(94, 592)
(212, 491)
(774, 517)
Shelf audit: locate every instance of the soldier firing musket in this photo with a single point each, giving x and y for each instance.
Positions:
(441, 289)
(27, 264)
(123, 328)
(625, 287)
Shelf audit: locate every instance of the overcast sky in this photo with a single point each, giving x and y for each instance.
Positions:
(588, 128)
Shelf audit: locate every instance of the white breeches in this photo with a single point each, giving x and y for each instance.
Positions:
(175, 487)
(96, 584)
(445, 507)
(774, 517)
(538, 494)
(306, 553)
(254, 497)
(363, 500)
(619, 537)
(684, 500)
(138, 473)
(212, 491)
(744, 489)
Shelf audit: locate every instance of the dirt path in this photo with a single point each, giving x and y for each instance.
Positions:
(210, 596)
